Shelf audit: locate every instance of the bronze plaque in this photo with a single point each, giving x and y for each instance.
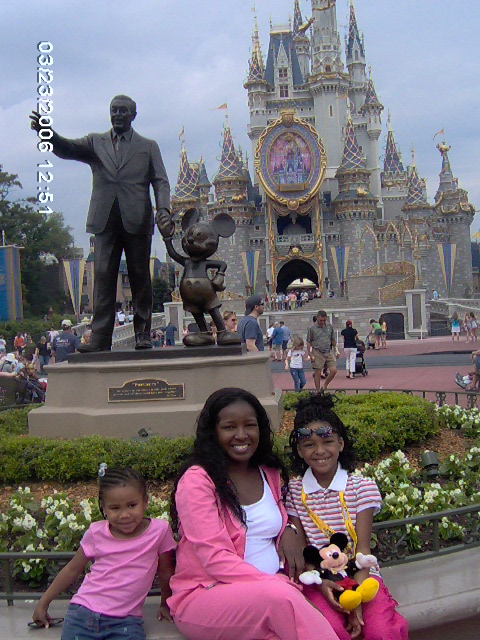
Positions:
(298, 186)
(146, 391)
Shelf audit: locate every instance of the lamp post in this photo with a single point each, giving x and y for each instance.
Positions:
(429, 462)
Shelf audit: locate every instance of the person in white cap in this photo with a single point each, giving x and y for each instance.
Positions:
(9, 363)
(65, 343)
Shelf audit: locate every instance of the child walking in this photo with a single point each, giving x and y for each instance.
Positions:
(330, 499)
(294, 359)
(127, 550)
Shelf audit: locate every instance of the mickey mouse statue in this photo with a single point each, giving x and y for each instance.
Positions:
(197, 289)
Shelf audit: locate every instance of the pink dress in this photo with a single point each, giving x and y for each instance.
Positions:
(219, 596)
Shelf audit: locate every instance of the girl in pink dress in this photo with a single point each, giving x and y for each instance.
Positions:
(233, 539)
(330, 499)
(127, 550)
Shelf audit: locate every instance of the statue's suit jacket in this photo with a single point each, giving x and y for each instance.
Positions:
(130, 182)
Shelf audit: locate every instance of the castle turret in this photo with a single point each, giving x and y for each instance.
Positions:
(453, 209)
(372, 109)
(232, 184)
(186, 192)
(230, 181)
(326, 46)
(394, 177)
(329, 85)
(355, 51)
(257, 88)
(354, 203)
(416, 201)
(301, 41)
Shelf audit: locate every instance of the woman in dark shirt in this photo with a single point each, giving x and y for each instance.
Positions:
(43, 354)
(350, 348)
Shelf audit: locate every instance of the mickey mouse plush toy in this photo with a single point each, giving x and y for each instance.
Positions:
(332, 563)
(197, 289)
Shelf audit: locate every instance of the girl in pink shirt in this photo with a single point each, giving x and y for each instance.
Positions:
(330, 499)
(127, 550)
(227, 506)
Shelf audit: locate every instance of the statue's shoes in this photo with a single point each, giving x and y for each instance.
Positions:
(228, 337)
(94, 347)
(143, 341)
(199, 339)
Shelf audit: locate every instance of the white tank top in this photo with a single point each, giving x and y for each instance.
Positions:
(264, 522)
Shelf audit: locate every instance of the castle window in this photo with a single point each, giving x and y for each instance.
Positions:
(283, 73)
(331, 111)
(328, 69)
(283, 91)
(330, 224)
(257, 228)
(356, 55)
(327, 198)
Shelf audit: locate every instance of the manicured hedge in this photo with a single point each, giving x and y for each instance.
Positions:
(378, 422)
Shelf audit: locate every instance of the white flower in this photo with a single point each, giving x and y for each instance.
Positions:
(28, 522)
(40, 534)
(30, 547)
(26, 567)
(59, 515)
(17, 522)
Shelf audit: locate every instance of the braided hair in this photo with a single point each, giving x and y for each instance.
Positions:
(207, 452)
(119, 477)
(313, 409)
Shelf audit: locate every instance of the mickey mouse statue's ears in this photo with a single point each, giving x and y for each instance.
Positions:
(191, 216)
(224, 225)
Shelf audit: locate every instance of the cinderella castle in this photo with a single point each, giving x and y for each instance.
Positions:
(319, 206)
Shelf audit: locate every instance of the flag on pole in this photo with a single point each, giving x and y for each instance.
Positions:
(182, 133)
(441, 132)
(222, 106)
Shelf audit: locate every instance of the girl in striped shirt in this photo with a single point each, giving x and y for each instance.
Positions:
(330, 499)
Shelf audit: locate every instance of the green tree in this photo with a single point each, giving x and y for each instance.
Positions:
(161, 293)
(39, 234)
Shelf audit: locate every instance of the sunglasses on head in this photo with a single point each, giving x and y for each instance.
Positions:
(321, 432)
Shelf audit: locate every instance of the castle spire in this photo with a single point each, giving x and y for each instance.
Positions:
(354, 40)
(352, 156)
(297, 18)
(256, 70)
(447, 181)
(230, 165)
(187, 177)
(416, 198)
(393, 162)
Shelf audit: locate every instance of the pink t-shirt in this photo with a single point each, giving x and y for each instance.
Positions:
(123, 570)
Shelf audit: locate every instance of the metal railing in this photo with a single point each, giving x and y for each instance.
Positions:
(392, 547)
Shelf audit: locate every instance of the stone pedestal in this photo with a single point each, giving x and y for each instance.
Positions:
(118, 393)
(417, 321)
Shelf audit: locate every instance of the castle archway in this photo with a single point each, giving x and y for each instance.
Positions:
(295, 270)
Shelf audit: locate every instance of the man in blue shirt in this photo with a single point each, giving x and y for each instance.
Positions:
(169, 332)
(65, 343)
(286, 338)
(248, 327)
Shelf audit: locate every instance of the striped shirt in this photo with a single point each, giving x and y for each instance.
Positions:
(360, 494)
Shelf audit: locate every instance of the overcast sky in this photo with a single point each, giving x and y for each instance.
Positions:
(179, 59)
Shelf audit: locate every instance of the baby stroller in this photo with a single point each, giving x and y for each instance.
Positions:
(360, 366)
(370, 341)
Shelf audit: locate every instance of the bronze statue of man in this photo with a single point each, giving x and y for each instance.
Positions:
(124, 165)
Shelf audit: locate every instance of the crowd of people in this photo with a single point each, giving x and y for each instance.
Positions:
(230, 580)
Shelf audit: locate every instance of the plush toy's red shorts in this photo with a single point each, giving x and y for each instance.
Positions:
(347, 583)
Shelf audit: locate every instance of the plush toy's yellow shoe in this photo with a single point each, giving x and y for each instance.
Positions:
(350, 600)
(368, 589)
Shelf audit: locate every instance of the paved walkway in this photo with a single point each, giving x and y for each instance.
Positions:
(422, 378)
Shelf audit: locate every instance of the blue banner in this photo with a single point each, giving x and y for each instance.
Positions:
(10, 284)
